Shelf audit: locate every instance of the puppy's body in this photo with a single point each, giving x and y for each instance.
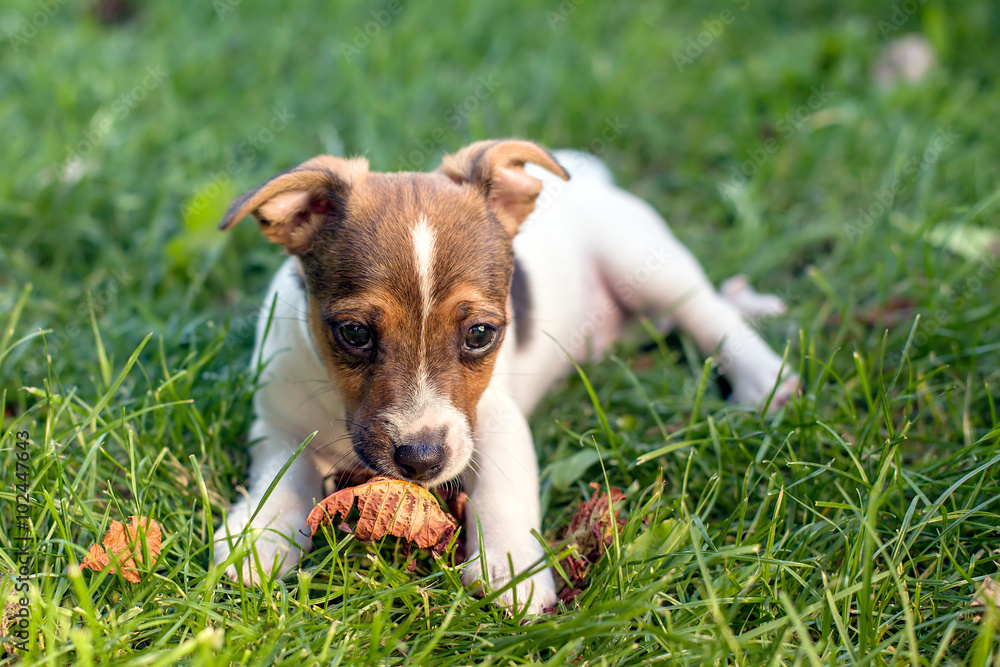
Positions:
(589, 255)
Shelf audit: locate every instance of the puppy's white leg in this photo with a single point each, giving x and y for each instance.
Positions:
(650, 270)
(277, 530)
(502, 485)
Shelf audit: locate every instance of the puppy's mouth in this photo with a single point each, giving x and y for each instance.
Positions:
(421, 457)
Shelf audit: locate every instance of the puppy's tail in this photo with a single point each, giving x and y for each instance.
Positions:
(584, 166)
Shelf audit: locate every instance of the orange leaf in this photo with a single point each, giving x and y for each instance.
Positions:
(96, 559)
(389, 507)
(124, 541)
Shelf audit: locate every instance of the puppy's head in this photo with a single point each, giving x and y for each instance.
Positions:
(408, 278)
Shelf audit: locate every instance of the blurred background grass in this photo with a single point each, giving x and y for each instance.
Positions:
(559, 74)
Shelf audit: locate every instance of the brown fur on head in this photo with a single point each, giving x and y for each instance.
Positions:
(415, 266)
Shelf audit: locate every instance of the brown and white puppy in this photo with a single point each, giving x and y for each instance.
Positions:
(420, 319)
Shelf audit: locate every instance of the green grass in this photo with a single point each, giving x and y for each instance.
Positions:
(852, 528)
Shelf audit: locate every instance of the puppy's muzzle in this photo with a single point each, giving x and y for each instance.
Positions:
(421, 457)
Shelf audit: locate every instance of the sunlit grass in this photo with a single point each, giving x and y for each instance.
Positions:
(852, 527)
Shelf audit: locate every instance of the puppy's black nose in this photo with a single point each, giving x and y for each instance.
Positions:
(421, 458)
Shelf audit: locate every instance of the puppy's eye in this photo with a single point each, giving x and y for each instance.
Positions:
(355, 334)
(480, 336)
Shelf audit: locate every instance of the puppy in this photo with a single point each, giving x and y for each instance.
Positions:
(421, 316)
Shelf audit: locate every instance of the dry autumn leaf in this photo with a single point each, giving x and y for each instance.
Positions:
(988, 594)
(389, 507)
(124, 541)
(9, 620)
(592, 531)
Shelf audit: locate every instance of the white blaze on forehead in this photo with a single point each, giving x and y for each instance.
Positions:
(423, 257)
(427, 408)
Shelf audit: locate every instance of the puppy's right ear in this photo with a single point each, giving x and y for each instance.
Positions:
(293, 205)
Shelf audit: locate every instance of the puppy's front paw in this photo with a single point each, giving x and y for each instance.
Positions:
(532, 594)
(277, 556)
(278, 548)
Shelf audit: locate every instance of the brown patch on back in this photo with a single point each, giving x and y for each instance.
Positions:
(521, 304)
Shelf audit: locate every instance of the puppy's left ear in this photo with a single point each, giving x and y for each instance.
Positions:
(497, 169)
(294, 205)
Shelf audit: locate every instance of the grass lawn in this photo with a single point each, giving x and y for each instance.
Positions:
(854, 527)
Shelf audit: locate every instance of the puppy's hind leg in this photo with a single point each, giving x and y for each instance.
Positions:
(750, 303)
(277, 530)
(650, 271)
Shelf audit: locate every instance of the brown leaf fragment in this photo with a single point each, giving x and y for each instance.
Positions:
(592, 526)
(388, 507)
(592, 531)
(456, 501)
(567, 595)
(9, 619)
(893, 311)
(126, 543)
(988, 594)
